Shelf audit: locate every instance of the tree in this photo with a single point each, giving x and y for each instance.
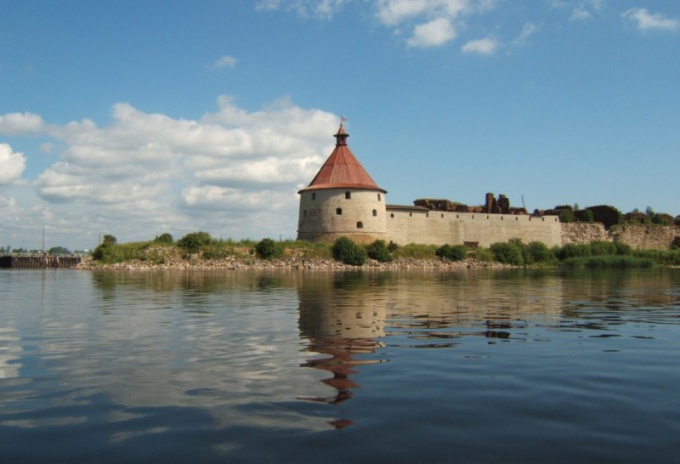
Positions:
(58, 250)
(164, 239)
(193, 241)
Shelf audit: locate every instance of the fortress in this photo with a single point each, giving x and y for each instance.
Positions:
(343, 200)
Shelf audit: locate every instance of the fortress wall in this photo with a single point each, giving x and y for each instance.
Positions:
(439, 228)
(578, 232)
(637, 236)
(645, 236)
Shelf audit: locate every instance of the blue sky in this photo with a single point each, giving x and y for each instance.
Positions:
(138, 118)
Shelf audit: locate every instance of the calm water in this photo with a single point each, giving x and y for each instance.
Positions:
(301, 367)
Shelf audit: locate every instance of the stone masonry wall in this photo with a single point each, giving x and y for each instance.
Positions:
(637, 236)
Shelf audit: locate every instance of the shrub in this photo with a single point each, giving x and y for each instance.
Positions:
(567, 215)
(379, 251)
(623, 248)
(538, 252)
(193, 241)
(164, 239)
(508, 253)
(573, 250)
(348, 252)
(602, 248)
(482, 254)
(393, 247)
(216, 251)
(268, 249)
(452, 253)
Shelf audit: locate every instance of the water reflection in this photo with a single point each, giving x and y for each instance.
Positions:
(249, 355)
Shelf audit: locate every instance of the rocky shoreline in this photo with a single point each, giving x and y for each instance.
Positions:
(306, 264)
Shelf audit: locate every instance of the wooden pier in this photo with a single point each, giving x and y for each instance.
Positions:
(39, 262)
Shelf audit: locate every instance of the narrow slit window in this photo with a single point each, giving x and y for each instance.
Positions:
(379, 198)
(375, 212)
(313, 195)
(348, 195)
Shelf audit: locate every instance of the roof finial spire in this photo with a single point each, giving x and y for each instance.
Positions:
(341, 136)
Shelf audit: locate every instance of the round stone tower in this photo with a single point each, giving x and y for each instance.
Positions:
(342, 200)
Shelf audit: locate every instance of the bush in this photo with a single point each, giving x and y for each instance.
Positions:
(567, 215)
(602, 248)
(507, 253)
(623, 248)
(217, 251)
(268, 249)
(452, 253)
(573, 250)
(379, 251)
(348, 252)
(393, 247)
(482, 254)
(164, 239)
(193, 241)
(538, 252)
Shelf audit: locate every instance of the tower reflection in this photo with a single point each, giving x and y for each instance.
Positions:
(343, 324)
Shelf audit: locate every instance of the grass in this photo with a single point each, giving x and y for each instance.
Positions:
(608, 262)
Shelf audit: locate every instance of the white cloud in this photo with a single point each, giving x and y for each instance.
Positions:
(528, 30)
(144, 172)
(486, 46)
(225, 61)
(12, 164)
(20, 123)
(580, 14)
(320, 9)
(646, 21)
(432, 34)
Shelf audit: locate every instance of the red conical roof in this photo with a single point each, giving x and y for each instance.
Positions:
(342, 169)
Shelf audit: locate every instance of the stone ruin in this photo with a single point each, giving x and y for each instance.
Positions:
(490, 206)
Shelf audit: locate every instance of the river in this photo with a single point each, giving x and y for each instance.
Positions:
(294, 366)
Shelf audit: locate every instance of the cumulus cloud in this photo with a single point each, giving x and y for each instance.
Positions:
(144, 172)
(486, 46)
(20, 123)
(225, 61)
(646, 21)
(12, 164)
(432, 34)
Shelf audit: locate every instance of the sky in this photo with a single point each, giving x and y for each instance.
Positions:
(138, 118)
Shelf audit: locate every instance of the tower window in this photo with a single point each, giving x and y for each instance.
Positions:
(375, 213)
(348, 195)
(313, 195)
(338, 211)
(305, 213)
(379, 198)
(360, 225)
